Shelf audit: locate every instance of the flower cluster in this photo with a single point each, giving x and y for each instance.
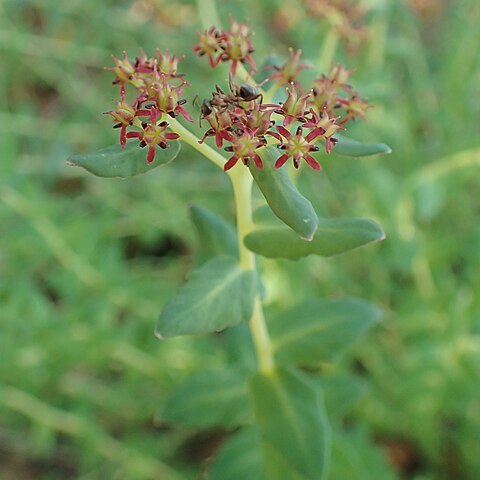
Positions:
(238, 118)
(233, 45)
(333, 94)
(159, 89)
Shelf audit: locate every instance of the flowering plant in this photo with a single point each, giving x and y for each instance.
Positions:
(274, 403)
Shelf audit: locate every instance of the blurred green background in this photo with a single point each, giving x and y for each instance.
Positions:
(87, 263)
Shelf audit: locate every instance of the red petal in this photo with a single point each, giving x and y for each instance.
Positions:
(133, 135)
(172, 136)
(123, 136)
(283, 131)
(281, 160)
(257, 160)
(230, 163)
(312, 162)
(314, 134)
(151, 154)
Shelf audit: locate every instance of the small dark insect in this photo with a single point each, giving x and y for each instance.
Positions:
(245, 92)
(206, 109)
(238, 94)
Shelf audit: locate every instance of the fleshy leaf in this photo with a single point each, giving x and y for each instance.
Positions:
(218, 295)
(318, 330)
(353, 148)
(239, 458)
(212, 398)
(216, 235)
(333, 236)
(283, 198)
(292, 426)
(115, 161)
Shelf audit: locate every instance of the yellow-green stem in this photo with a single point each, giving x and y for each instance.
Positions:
(188, 137)
(207, 11)
(329, 48)
(242, 187)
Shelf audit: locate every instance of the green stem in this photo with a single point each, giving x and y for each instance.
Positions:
(207, 11)
(329, 48)
(242, 188)
(188, 137)
(242, 182)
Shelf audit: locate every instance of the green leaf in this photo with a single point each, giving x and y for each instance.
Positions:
(212, 398)
(318, 330)
(218, 295)
(340, 392)
(116, 161)
(333, 236)
(239, 348)
(239, 458)
(283, 198)
(355, 455)
(216, 236)
(292, 426)
(352, 148)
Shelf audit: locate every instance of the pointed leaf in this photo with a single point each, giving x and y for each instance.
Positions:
(333, 236)
(239, 458)
(116, 161)
(353, 148)
(212, 398)
(216, 235)
(218, 295)
(292, 426)
(318, 330)
(283, 198)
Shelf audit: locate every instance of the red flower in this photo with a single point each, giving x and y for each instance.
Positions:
(153, 135)
(124, 71)
(297, 146)
(124, 116)
(236, 45)
(230, 45)
(221, 124)
(295, 107)
(326, 125)
(289, 71)
(243, 147)
(209, 44)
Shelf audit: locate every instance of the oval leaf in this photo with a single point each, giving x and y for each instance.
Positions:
(333, 236)
(212, 398)
(239, 458)
(352, 148)
(292, 426)
(318, 330)
(283, 198)
(216, 235)
(218, 295)
(116, 161)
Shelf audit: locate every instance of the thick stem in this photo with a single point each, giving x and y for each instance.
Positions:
(188, 137)
(242, 188)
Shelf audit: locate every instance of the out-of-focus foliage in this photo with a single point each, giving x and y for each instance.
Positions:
(86, 264)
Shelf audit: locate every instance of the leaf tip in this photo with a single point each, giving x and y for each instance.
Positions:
(158, 334)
